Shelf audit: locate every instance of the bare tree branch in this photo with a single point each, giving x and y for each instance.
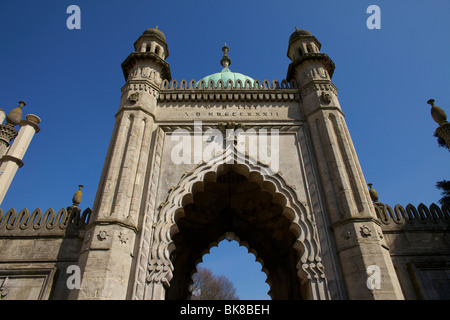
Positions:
(208, 286)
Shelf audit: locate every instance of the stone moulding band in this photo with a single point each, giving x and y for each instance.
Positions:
(169, 127)
(235, 95)
(136, 57)
(106, 222)
(9, 157)
(140, 85)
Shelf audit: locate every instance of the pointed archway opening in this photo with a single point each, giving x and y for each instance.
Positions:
(233, 204)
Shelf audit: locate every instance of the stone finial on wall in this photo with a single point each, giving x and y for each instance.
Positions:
(440, 117)
(78, 196)
(373, 193)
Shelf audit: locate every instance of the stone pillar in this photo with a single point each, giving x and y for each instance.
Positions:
(106, 260)
(359, 239)
(10, 162)
(2, 116)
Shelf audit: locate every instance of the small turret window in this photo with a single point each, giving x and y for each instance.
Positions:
(157, 50)
(309, 48)
(147, 49)
(300, 52)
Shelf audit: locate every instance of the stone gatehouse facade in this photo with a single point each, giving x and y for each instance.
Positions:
(190, 163)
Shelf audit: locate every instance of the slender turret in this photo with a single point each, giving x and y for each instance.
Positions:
(349, 204)
(11, 156)
(105, 259)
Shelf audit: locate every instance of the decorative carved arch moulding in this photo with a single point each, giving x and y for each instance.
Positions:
(303, 226)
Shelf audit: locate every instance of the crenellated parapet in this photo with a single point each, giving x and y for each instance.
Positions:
(229, 91)
(418, 240)
(228, 85)
(419, 217)
(50, 223)
(38, 249)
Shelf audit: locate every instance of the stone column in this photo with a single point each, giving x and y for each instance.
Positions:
(13, 158)
(357, 231)
(108, 253)
(106, 258)
(359, 239)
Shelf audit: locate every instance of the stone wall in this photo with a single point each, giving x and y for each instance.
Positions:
(419, 245)
(35, 251)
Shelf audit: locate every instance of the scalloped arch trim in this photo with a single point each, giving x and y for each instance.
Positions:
(302, 223)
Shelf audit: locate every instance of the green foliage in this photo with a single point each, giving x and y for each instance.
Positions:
(444, 186)
(441, 142)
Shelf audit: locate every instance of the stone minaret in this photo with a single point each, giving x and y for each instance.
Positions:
(353, 219)
(106, 258)
(8, 131)
(11, 156)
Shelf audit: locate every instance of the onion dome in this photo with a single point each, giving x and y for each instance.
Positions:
(156, 32)
(299, 33)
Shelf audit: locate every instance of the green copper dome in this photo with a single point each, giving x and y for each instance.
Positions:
(226, 74)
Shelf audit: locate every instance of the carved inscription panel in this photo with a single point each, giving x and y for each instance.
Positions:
(228, 112)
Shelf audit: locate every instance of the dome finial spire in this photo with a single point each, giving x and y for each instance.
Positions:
(225, 62)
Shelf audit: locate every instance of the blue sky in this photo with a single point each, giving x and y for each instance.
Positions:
(71, 79)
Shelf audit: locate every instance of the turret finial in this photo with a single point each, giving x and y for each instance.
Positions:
(226, 61)
(15, 115)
